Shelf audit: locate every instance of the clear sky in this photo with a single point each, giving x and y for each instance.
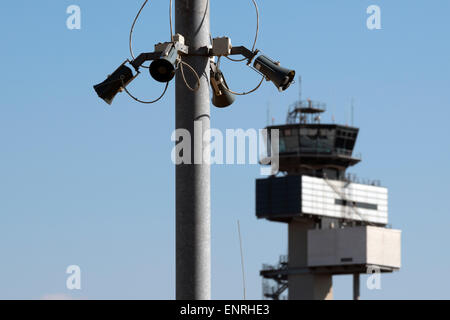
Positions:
(83, 183)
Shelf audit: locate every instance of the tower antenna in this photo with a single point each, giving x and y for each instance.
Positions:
(242, 258)
(299, 88)
(352, 110)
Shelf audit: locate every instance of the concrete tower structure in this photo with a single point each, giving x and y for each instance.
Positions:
(336, 223)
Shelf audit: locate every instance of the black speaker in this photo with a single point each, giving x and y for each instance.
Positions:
(222, 98)
(115, 83)
(281, 77)
(163, 69)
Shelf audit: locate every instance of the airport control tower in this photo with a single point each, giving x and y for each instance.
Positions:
(336, 223)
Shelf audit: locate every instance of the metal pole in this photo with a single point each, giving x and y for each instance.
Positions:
(193, 248)
(356, 294)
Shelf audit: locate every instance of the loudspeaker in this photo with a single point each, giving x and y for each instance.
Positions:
(281, 77)
(114, 84)
(163, 69)
(222, 98)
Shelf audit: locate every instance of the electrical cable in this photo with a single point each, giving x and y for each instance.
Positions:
(146, 67)
(132, 29)
(256, 35)
(193, 71)
(141, 101)
(245, 93)
(241, 93)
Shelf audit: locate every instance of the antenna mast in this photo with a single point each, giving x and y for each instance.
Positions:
(299, 88)
(353, 111)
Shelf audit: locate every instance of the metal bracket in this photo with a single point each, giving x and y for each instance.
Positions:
(143, 57)
(161, 50)
(213, 79)
(241, 50)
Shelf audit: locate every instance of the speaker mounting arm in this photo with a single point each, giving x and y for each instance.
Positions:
(222, 47)
(248, 54)
(161, 50)
(144, 57)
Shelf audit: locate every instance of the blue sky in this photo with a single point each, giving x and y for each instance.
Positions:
(92, 185)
